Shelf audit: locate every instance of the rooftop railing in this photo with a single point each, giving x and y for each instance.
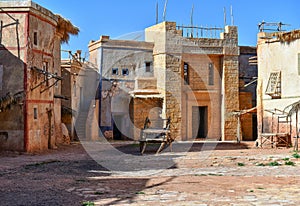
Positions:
(200, 32)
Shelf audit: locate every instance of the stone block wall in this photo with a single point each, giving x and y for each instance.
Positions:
(140, 108)
(230, 96)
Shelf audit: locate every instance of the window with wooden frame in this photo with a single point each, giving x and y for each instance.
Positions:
(274, 85)
(186, 73)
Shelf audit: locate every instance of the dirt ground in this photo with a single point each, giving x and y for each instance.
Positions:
(223, 174)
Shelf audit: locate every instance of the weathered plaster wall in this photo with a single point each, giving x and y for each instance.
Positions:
(40, 124)
(276, 56)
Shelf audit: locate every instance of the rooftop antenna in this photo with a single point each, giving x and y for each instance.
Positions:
(165, 10)
(192, 23)
(156, 12)
(225, 23)
(232, 17)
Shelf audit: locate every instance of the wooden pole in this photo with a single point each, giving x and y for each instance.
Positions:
(297, 136)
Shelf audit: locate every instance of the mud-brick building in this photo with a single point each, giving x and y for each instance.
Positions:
(30, 39)
(79, 86)
(191, 78)
(278, 80)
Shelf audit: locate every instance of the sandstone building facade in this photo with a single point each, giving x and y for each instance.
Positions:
(192, 80)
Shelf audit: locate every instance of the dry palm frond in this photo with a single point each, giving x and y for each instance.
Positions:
(8, 100)
(287, 36)
(65, 27)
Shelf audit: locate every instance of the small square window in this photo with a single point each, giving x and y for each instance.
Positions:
(35, 38)
(114, 71)
(125, 72)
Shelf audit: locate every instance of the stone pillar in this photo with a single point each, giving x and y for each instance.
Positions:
(173, 99)
(167, 70)
(230, 83)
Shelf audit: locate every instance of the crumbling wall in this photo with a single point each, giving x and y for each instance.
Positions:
(12, 65)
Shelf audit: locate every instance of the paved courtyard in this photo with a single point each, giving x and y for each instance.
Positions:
(116, 174)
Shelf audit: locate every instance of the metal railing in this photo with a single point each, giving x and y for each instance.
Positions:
(200, 32)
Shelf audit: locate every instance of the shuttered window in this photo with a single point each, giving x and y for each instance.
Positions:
(274, 85)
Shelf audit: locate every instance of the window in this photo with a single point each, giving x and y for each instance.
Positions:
(186, 73)
(74, 88)
(35, 38)
(299, 64)
(125, 72)
(210, 74)
(274, 85)
(114, 71)
(1, 76)
(148, 66)
(46, 69)
(35, 113)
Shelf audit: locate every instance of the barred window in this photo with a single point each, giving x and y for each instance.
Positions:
(186, 73)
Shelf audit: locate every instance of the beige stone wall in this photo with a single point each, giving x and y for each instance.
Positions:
(171, 49)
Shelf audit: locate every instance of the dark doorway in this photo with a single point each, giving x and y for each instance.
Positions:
(254, 127)
(200, 126)
(117, 124)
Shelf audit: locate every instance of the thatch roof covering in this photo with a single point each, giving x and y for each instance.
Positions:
(65, 28)
(287, 36)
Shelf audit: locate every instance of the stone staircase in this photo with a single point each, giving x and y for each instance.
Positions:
(80, 125)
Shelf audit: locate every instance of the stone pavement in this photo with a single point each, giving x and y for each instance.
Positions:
(222, 175)
(217, 177)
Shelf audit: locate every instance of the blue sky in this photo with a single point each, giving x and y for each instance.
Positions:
(119, 17)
